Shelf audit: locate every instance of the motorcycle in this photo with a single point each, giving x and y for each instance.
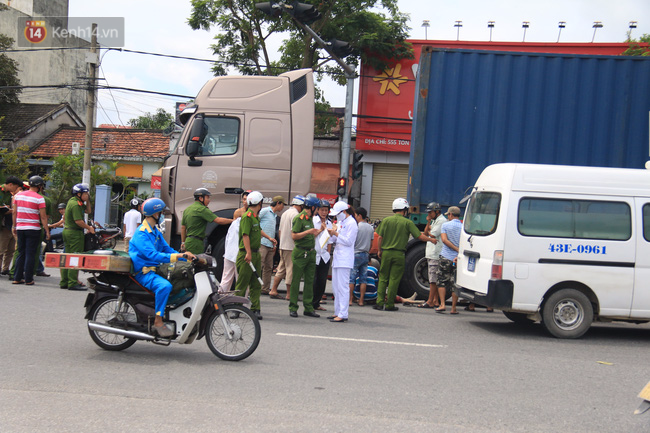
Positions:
(104, 238)
(120, 312)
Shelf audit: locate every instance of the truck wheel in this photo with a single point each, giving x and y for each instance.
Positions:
(567, 313)
(218, 252)
(518, 318)
(416, 273)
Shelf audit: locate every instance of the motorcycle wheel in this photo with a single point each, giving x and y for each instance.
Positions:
(244, 336)
(110, 244)
(105, 311)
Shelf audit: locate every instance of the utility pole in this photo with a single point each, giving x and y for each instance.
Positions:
(92, 60)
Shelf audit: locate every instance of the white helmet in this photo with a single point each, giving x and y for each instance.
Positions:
(298, 200)
(254, 198)
(400, 204)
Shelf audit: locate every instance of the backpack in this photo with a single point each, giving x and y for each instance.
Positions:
(180, 274)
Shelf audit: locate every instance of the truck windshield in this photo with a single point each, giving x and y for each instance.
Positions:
(482, 214)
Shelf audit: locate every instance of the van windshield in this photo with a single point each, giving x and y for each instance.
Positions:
(482, 214)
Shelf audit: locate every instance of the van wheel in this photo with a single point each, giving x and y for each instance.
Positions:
(567, 313)
(518, 318)
(416, 273)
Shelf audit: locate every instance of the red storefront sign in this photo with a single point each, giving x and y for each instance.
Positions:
(386, 98)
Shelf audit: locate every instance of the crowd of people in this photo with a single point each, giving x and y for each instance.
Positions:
(311, 237)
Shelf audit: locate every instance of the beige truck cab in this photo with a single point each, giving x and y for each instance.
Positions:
(241, 133)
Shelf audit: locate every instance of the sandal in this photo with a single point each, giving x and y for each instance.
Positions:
(18, 282)
(425, 305)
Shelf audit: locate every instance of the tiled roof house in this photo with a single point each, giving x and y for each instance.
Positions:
(140, 152)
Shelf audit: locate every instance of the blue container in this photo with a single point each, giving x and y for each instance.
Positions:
(476, 108)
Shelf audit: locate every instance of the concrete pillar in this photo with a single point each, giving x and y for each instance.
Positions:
(102, 209)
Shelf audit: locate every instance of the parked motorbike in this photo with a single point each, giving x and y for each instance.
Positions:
(104, 238)
(120, 312)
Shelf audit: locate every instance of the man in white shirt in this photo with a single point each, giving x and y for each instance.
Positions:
(132, 220)
(435, 220)
(285, 268)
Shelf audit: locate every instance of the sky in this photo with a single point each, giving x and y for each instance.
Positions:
(160, 26)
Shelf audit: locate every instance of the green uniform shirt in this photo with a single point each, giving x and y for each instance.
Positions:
(74, 211)
(196, 218)
(250, 225)
(395, 231)
(301, 223)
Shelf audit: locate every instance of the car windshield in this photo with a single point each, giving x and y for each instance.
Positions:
(482, 214)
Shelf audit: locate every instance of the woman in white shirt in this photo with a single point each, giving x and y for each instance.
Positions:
(345, 235)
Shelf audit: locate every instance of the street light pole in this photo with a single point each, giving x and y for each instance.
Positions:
(90, 106)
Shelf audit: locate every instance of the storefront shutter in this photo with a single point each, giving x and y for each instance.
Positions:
(389, 181)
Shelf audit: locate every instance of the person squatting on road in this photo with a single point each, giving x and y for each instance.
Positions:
(450, 237)
(303, 258)
(148, 249)
(28, 217)
(250, 239)
(132, 220)
(323, 249)
(394, 234)
(195, 220)
(73, 232)
(362, 245)
(344, 236)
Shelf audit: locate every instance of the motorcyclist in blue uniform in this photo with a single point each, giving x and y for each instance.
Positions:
(147, 250)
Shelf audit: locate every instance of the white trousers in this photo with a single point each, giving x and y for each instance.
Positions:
(341, 289)
(228, 275)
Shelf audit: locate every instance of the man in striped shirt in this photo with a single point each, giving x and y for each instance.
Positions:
(28, 215)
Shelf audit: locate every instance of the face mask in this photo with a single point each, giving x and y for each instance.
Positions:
(340, 216)
(161, 218)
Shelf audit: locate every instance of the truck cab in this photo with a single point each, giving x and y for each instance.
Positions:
(241, 133)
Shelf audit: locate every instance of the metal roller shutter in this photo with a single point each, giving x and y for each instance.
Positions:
(389, 181)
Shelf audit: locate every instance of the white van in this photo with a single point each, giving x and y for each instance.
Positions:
(562, 244)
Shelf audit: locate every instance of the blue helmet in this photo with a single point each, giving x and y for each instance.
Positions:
(312, 202)
(325, 203)
(152, 206)
(80, 188)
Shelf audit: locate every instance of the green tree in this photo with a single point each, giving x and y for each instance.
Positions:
(158, 120)
(14, 162)
(66, 172)
(636, 49)
(8, 70)
(245, 32)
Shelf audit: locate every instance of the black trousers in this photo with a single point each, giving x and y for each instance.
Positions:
(320, 281)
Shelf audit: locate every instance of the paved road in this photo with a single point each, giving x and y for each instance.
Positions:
(475, 372)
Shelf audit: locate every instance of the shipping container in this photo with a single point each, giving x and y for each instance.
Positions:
(475, 108)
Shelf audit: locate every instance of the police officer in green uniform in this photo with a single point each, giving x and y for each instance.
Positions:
(394, 234)
(73, 232)
(250, 239)
(303, 256)
(195, 219)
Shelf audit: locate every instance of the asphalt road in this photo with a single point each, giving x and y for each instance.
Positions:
(410, 370)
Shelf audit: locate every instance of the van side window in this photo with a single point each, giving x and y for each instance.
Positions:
(646, 222)
(220, 136)
(580, 219)
(482, 213)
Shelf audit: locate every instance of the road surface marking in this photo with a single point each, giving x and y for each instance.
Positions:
(360, 340)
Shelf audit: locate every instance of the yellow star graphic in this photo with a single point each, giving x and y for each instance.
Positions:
(391, 79)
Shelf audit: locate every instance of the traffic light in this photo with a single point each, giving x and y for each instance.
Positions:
(340, 48)
(303, 12)
(357, 165)
(271, 8)
(341, 186)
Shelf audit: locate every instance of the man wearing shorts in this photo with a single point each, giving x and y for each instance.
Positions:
(450, 237)
(435, 220)
(362, 244)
